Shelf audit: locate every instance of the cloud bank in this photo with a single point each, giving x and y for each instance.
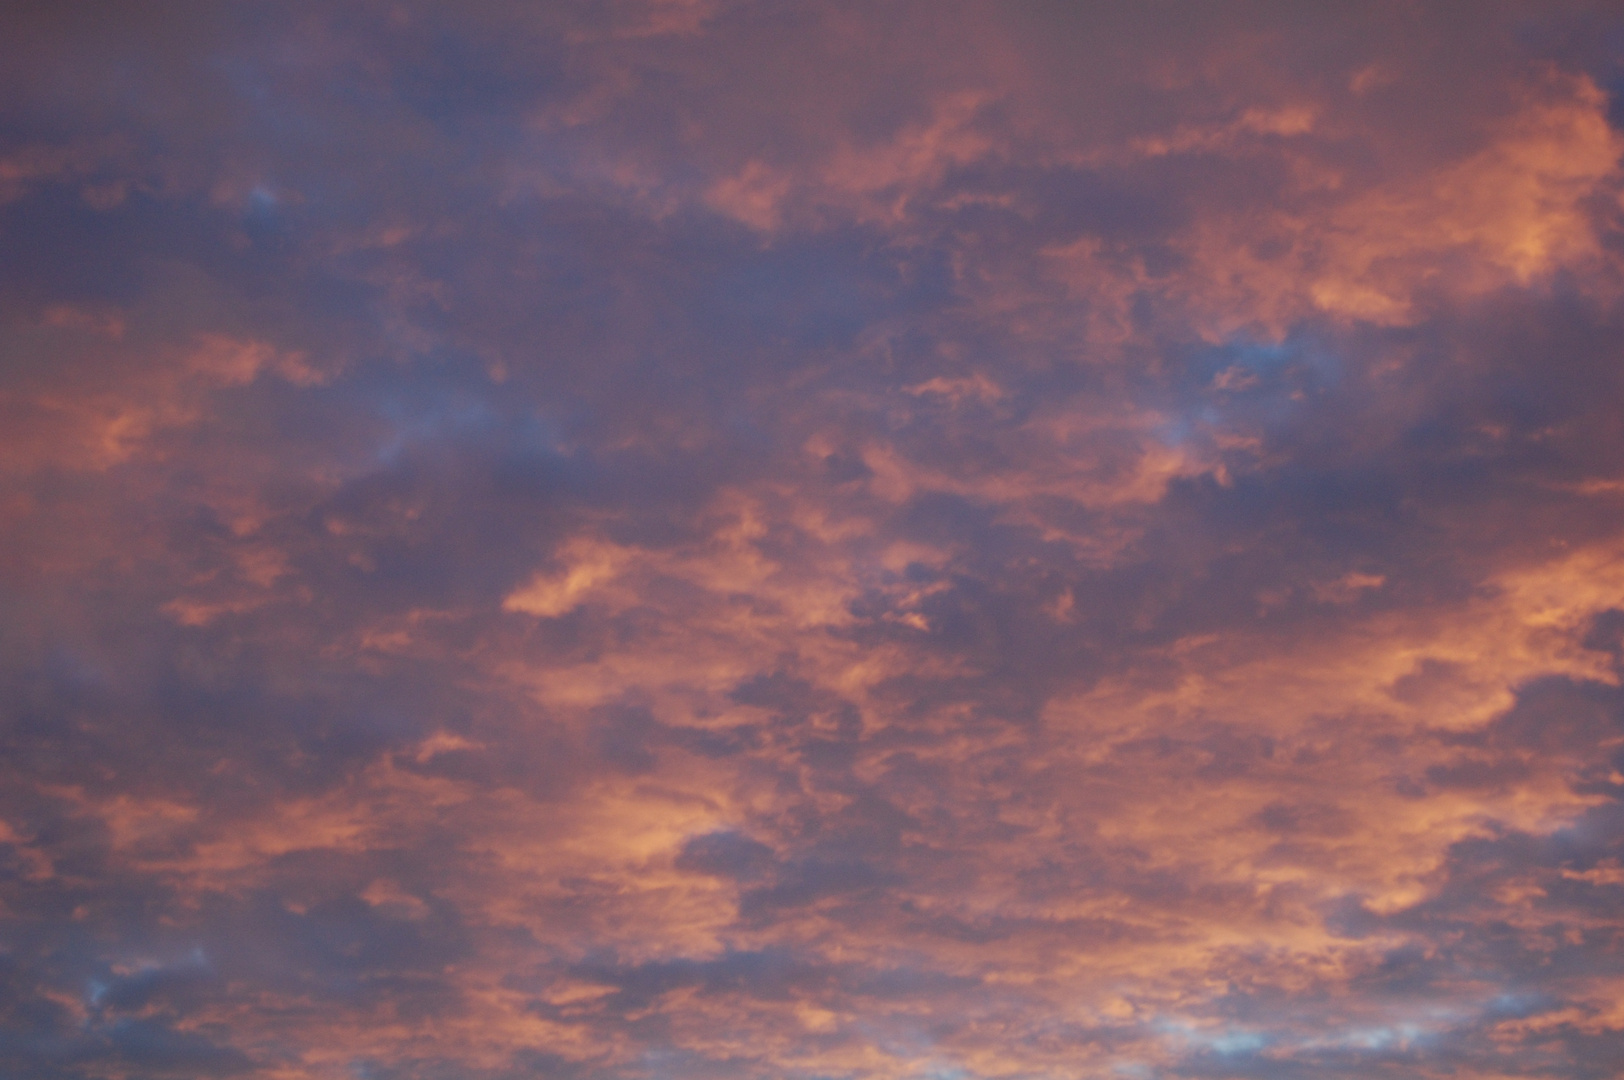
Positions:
(732, 539)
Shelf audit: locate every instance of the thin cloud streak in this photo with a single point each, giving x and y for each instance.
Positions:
(730, 539)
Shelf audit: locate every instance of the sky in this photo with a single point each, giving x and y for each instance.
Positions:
(820, 540)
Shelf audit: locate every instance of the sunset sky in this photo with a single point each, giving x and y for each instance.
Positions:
(812, 540)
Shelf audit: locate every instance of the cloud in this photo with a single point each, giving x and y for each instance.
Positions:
(730, 539)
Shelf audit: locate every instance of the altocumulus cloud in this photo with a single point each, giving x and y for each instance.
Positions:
(726, 538)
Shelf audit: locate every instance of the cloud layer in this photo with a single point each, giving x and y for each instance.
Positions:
(736, 539)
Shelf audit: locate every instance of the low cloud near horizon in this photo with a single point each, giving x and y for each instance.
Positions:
(705, 539)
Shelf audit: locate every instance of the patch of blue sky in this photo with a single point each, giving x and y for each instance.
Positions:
(1243, 384)
(946, 1072)
(94, 992)
(1221, 1040)
(1375, 1037)
(1245, 365)
(1238, 1041)
(1378, 1036)
(196, 961)
(434, 399)
(261, 199)
(1510, 1004)
(416, 426)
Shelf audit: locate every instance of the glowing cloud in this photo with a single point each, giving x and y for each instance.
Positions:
(648, 538)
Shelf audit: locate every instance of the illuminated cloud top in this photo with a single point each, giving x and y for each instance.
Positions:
(705, 539)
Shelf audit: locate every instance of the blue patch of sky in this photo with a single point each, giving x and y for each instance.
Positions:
(1229, 1040)
(445, 398)
(1243, 382)
(1301, 360)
